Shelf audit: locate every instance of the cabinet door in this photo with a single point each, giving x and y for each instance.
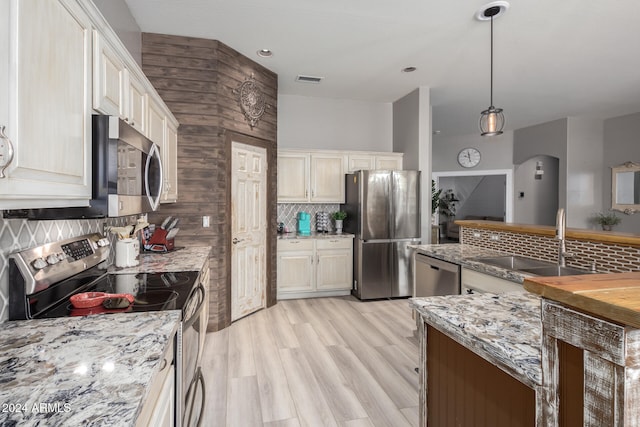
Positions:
(293, 177)
(156, 124)
(49, 106)
(164, 412)
(295, 271)
(360, 162)
(170, 159)
(108, 78)
(388, 162)
(327, 178)
(334, 270)
(136, 113)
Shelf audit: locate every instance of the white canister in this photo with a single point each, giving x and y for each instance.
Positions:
(127, 251)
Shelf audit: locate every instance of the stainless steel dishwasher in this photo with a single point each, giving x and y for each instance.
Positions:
(435, 277)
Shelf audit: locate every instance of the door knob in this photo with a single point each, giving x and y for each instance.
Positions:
(236, 241)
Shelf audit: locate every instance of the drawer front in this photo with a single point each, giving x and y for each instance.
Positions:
(479, 282)
(337, 243)
(295, 245)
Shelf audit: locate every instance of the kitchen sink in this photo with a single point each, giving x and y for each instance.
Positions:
(554, 270)
(515, 262)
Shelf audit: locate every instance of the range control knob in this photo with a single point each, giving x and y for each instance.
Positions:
(39, 263)
(62, 256)
(53, 259)
(103, 242)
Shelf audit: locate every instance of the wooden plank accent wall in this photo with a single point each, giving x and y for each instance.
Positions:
(464, 390)
(196, 78)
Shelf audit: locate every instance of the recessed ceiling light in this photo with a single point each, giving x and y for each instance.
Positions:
(409, 69)
(265, 53)
(487, 11)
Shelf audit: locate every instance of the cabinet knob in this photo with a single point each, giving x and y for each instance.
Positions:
(6, 152)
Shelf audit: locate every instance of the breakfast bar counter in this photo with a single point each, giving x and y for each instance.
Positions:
(77, 371)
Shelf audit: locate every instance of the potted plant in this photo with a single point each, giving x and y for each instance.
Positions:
(607, 220)
(338, 217)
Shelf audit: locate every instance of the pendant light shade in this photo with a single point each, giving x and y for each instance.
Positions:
(492, 119)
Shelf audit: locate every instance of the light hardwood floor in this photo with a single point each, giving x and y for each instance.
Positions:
(315, 362)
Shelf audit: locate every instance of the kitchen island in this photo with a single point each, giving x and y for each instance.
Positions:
(74, 371)
(481, 356)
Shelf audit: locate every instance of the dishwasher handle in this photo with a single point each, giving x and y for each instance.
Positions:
(437, 264)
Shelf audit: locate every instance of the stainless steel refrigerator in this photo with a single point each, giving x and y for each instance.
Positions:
(383, 209)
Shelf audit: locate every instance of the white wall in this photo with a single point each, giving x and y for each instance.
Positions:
(496, 152)
(406, 129)
(584, 170)
(117, 14)
(621, 144)
(333, 124)
(412, 136)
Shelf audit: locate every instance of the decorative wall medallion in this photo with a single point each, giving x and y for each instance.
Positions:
(252, 101)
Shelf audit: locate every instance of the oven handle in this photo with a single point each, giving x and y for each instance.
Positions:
(199, 378)
(189, 323)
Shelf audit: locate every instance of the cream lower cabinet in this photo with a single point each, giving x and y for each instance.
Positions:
(46, 111)
(314, 267)
(472, 282)
(159, 410)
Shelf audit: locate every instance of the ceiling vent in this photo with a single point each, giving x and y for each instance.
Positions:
(308, 79)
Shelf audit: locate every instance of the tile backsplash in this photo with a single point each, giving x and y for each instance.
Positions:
(288, 212)
(20, 234)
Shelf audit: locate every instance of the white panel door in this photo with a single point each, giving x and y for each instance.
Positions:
(248, 229)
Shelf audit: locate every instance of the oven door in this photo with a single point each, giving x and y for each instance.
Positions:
(193, 387)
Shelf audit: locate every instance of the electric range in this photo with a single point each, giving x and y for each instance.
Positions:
(42, 279)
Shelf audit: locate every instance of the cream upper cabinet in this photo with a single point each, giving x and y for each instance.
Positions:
(373, 160)
(293, 177)
(136, 102)
(170, 162)
(163, 130)
(108, 78)
(327, 178)
(46, 108)
(305, 177)
(392, 161)
(357, 162)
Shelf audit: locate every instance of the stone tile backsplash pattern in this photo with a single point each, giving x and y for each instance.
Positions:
(288, 213)
(19, 234)
(609, 258)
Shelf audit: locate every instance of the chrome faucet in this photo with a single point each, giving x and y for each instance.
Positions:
(561, 225)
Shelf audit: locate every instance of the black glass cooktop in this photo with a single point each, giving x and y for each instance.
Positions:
(151, 291)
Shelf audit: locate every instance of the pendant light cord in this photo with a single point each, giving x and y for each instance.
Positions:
(491, 83)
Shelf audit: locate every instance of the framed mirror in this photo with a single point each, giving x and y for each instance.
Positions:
(625, 188)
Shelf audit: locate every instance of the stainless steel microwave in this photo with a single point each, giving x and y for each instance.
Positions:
(126, 174)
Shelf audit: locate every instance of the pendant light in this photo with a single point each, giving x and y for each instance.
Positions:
(491, 120)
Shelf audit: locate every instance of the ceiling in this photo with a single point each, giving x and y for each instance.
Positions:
(552, 59)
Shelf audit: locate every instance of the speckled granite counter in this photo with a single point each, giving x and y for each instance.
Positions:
(184, 259)
(504, 329)
(69, 371)
(463, 254)
(315, 235)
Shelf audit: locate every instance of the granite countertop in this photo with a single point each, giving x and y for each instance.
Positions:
(504, 329)
(70, 371)
(183, 259)
(316, 235)
(464, 255)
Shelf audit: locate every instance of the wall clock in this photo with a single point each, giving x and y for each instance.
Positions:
(469, 157)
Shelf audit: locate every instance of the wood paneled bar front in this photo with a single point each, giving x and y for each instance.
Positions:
(597, 318)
